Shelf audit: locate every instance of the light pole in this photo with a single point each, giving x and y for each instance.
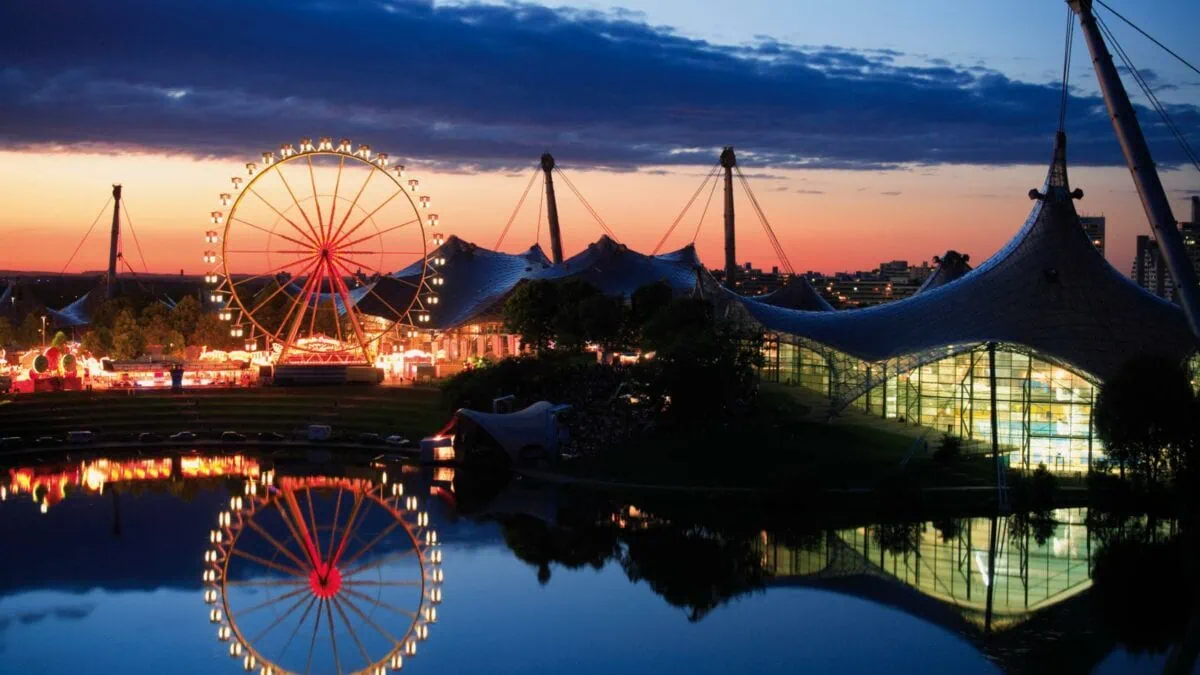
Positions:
(43, 331)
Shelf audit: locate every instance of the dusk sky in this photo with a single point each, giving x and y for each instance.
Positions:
(870, 129)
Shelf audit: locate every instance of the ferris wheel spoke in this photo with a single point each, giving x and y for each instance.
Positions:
(266, 582)
(350, 527)
(380, 603)
(337, 235)
(268, 563)
(274, 271)
(354, 608)
(274, 542)
(367, 582)
(273, 601)
(377, 563)
(302, 302)
(297, 242)
(303, 617)
(281, 289)
(350, 628)
(307, 221)
(312, 177)
(337, 509)
(337, 662)
(368, 217)
(302, 538)
(285, 218)
(370, 545)
(281, 251)
(313, 642)
(337, 186)
(278, 620)
(352, 313)
(312, 320)
(371, 291)
(378, 234)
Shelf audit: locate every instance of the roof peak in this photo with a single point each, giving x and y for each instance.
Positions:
(1057, 187)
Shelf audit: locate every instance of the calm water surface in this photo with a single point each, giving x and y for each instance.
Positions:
(112, 578)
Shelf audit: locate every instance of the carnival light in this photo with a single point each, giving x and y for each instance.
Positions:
(251, 167)
(424, 201)
(217, 217)
(325, 144)
(224, 633)
(268, 158)
(431, 537)
(363, 151)
(210, 257)
(214, 297)
(344, 145)
(433, 220)
(286, 150)
(414, 185)
(306, 145)
(397, 489)
(397, 662)
(215, 615)
(250, 663)
(431, 614)
(225, 198)
(236, 331)
(438, 281)
(410, 504)
(235, 649)
(211, 279)
(237, 181)
(211, 237)
(381, 159)
(437, 239)
(399, 171)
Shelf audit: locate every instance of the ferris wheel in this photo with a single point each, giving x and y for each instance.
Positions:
(323, 575)
(308, 246)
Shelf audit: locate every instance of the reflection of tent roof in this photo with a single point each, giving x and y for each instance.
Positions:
(950, 267)
(615, 269)
(532, 426)
(797, 294)
(1048, 289)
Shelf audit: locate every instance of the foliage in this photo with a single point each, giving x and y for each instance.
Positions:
(1036, 491)
(530, 312)
(29, 333)
(186, 315)
(60, 338)
(950, 450)
(1143, 416)
(128, 342)
(1141, 589)
(647, 301)
(97, 341)
(210, 332)
(899, 538)
(7, 332)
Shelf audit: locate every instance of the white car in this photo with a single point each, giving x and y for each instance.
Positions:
(183, 436)
(398, 441)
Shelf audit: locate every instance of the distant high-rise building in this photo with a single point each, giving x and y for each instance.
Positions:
(1094, 226)
(896, 270)
(1150, 268)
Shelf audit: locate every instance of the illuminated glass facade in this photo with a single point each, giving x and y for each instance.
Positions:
(1043, 410)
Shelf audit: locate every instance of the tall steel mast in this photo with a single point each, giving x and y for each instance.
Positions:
(1141, 166)
(728, 161)
(110, 286)
(556, 251)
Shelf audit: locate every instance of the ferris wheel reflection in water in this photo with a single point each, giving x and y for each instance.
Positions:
(322, 574)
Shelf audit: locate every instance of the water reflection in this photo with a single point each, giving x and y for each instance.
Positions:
(115, 549)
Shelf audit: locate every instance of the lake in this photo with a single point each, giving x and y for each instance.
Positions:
(188, 564)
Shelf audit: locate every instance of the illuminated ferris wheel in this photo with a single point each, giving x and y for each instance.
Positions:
(323, 575)
(310, 232)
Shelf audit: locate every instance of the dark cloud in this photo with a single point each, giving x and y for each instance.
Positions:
(810, 192)
(891, 193)
(482, 87)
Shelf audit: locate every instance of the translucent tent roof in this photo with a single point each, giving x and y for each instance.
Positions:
(797, 294)
(1048, 289)
(615, 269)
(79, 312)
(950, 267)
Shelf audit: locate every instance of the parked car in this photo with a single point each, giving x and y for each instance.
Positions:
(271, 436)
(150, 437)
(370, 438)
(80, 437)
(232, 437)
(398, 441)
(10, 442)
(319, 432)
(183, 436)
(48, 440)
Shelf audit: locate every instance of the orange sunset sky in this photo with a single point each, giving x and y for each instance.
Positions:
(826, 220)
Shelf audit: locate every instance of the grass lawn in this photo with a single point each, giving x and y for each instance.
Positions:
(413, 412)
(780, 446)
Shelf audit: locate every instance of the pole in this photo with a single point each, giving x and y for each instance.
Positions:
(110, 287)
(995, 426)
(728, 161)
(1141, 165)
(556, 252)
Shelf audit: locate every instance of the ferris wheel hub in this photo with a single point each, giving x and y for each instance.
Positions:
(326, 585)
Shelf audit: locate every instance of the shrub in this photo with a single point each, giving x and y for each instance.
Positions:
(950, 450)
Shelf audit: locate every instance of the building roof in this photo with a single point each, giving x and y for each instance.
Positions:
(797, 294)
(950, 267)
(1048, 290)
(615, 269)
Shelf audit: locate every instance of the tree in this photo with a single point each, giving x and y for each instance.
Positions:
(530, 312)
(210, 332)
(1144, 415)
(7, 332)
(602, 321)
(647, 301)
(29, 334)
(185, 315)
(97, 342)
(128, 342)
(570, 321)
(156, 323)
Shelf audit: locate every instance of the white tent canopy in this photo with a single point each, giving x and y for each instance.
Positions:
(535, 426)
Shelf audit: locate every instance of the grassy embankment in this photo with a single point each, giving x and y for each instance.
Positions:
(116, 416)
(783, 445)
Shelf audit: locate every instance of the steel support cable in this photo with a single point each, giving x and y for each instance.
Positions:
(682, 213)
(1145, 87)
(516, 210)
(712, 191)
(586, 205)
(1066, 74)
(1149, 37)
(762, 217)
(137, 244)
(85, 235)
